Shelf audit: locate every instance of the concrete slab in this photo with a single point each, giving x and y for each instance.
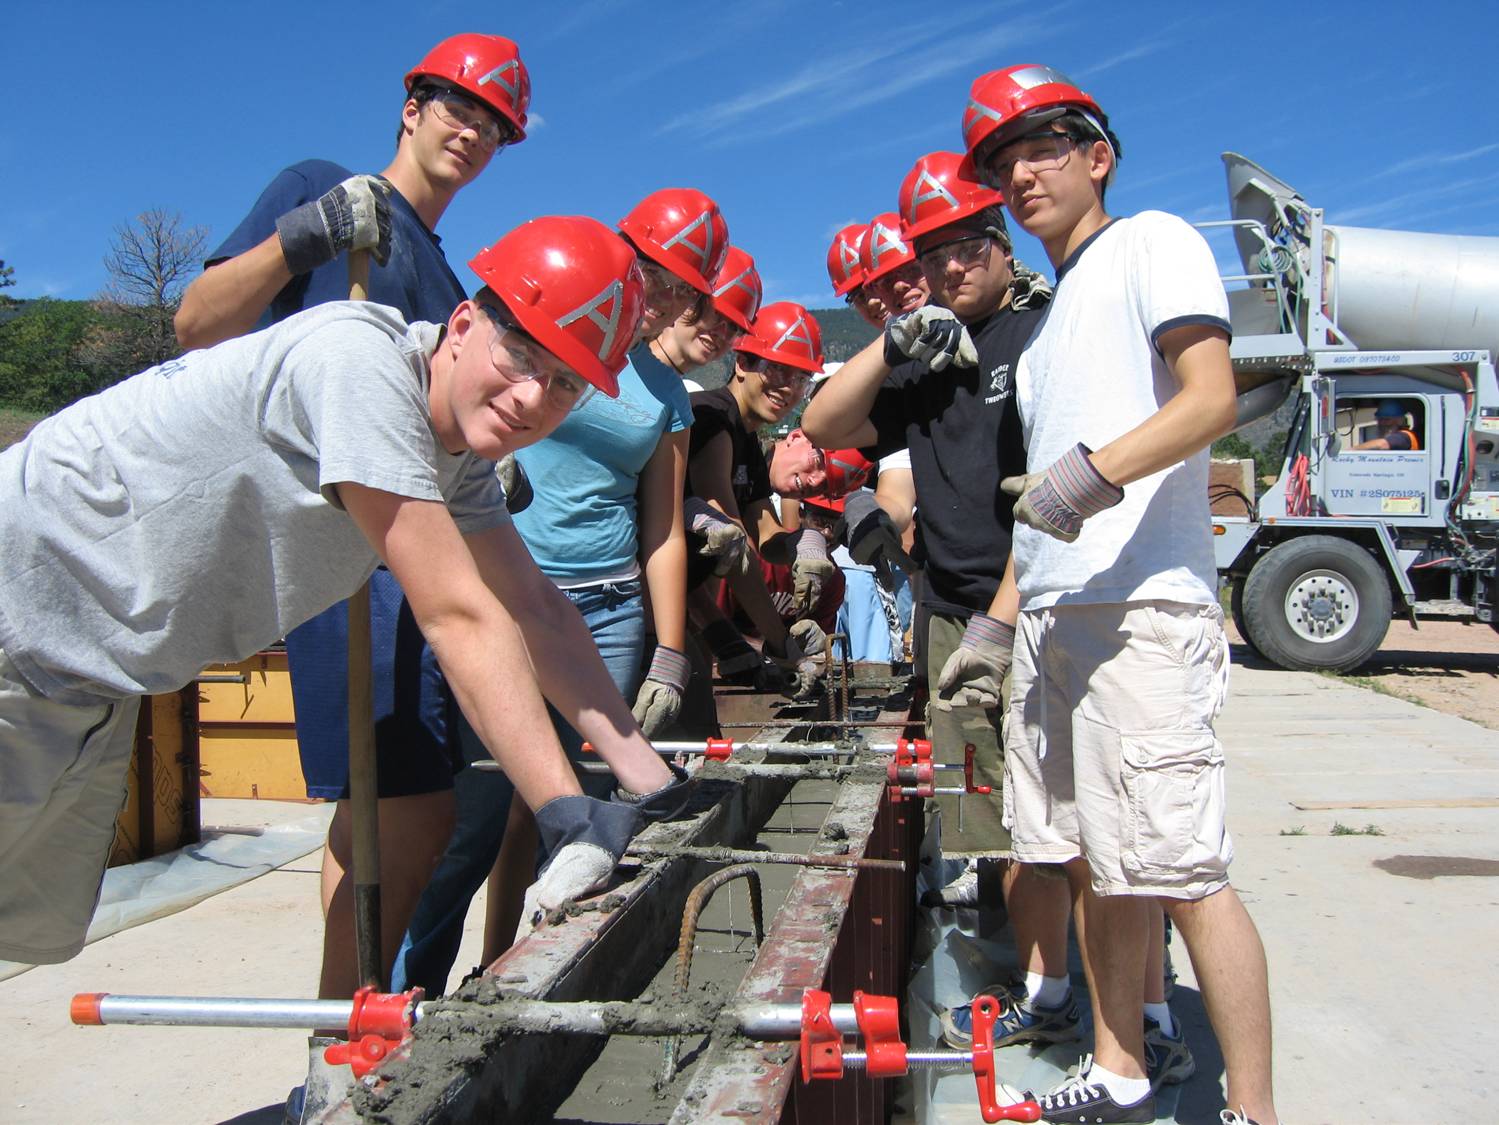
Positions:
(1380, 979)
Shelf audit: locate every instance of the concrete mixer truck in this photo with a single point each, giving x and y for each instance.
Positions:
(1351, 326)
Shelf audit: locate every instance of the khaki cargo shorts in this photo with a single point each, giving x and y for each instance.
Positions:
(62, 782)
(1109, 746)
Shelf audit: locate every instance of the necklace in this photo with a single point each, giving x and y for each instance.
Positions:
(659, 351)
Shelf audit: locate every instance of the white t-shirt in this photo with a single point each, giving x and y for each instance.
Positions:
(1092, 372)
(188, 515)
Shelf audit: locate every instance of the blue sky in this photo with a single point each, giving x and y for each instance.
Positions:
(797, 117)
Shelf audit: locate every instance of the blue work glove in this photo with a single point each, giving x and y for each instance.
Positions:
(1058, 500)
(974, 674)
(585, 839)
(353, 215)
(932, 336)
(659, 700)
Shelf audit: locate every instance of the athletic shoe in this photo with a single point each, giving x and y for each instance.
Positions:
(1080, 1102)
(962, 891)
(1019, 1020)
(1229, 1117)
(1167, 1059)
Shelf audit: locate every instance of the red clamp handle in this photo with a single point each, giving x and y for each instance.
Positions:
(719, 749)
(879, 1024)
(985, 1012)
(822, 1043)
(982, 790)
(378, 1023)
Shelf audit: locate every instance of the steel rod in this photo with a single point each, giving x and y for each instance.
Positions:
(749, 855)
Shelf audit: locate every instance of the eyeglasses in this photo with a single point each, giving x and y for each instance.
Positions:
(965, 251)
(514, 357)
(661, 279)
(1040, 152)
(782, 374)
(461, 112)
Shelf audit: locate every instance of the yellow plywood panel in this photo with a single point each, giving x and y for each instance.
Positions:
(257, 690)
(161, 798)
(244, 760)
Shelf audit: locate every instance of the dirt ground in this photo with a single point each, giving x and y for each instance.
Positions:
(1450, 666)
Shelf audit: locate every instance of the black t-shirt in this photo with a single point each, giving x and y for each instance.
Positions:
(963, 430)
(713, 413)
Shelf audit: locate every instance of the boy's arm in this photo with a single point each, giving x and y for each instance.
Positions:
(229, 296)
(1082, 482)
(838, 415)
(504, 635)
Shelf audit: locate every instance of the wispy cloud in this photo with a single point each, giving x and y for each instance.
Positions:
(1435, 160)
(1411, 202)
(1139, 51)
(579, 16)
(857, 77)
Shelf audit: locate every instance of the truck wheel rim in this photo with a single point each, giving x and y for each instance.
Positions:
(1321, 606)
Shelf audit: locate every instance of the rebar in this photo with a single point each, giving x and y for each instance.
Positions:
(688, 940)
(749, 855)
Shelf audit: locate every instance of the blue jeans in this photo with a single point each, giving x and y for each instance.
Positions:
(861, 618)
(614, 615)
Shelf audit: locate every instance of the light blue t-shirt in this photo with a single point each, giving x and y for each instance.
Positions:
(582, 523)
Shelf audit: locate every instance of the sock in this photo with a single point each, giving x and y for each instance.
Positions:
(1162, 1015)
(1125, 1091)
(1048, 992)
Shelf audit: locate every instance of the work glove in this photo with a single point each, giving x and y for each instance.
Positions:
(932, 336)
(663, 803)
(1028, 289)
(724, 540)
(805, 644)
(517, 486)
(1058, 500)
(585, 839)
(659, 700)
(353, 215)
(871, 537)
(975, 672)
(810, 571)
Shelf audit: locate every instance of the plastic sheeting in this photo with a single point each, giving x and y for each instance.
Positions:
(154, 888)
(951, 964)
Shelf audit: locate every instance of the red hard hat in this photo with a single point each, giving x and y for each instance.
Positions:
(574, 286)
(827, 503)
(845, 270)
(847, 469)
(681, 229)
(936, 192)
(999, 100)
(486, 66)
(785, 332)
(737, 293)
(883, 249)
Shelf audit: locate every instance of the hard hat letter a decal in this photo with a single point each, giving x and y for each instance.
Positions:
(498, 76)
(883, 241)
(928, 187)
(737, 282)
(849, 257)
(611, 295)
(705, 251)
(796, 333)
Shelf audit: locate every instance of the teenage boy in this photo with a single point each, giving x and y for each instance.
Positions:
(954, 409)
(194, 513)
(465, 102)
(1120, 664)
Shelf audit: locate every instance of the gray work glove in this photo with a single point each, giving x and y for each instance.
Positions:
(975, 672)
(1060, 499)
(932, 336)
(870, 535)
(353, 215)
(738, 662)
(724, 540)
(585, 839)
(1028, 290)
(517, 486)
(659, 700)
(805, 643)
(810, 638)
(663, 803)
(810, 570)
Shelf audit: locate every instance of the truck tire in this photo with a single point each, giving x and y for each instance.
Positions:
(1317, 603)
(1241, 619)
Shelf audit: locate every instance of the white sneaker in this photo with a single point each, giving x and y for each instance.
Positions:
(964, 890)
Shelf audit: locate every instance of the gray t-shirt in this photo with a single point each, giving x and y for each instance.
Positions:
(187, 516)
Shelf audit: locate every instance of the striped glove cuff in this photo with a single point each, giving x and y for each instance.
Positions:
(668, 666)
(985, 632)
(1079, 485)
